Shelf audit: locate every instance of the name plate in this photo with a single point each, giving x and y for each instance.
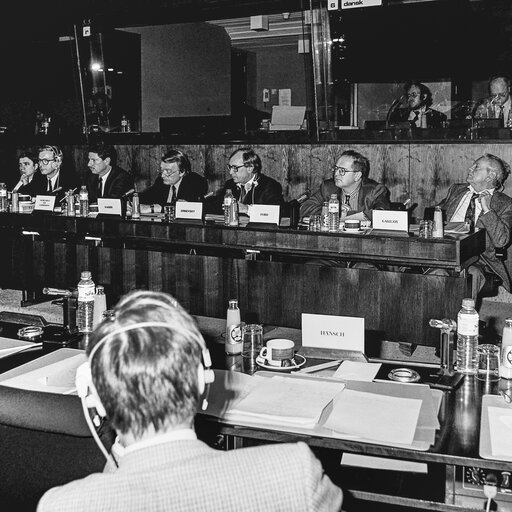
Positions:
(189, 210)
(351, 4)
(332, 331)
(109, 206)
(45, 203)
(265, 213)
(390, 220)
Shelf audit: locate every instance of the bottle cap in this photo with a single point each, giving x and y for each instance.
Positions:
(468, 303)
(508, 320)
(233, 302)
(100, 288)
(85, 274)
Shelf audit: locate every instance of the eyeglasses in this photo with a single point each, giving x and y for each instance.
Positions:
(44, 161)
(235, 168)
(413, 94)
(500, 95)
(341, 170)
(168, 172)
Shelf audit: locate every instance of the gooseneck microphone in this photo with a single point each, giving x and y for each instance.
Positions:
(129, 193)
(392, 108)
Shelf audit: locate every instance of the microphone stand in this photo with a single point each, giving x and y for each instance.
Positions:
(392, 108)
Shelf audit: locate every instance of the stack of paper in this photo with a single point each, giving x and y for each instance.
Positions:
(500, 428)
(284, 401)
(10, 346)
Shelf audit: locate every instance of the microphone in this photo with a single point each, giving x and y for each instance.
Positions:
(129, 193)
(406, 202)
(58, 189)
(393, 106)
(303, 197)
(64, 198)
(210, 194)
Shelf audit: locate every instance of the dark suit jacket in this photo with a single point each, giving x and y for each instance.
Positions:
(372, 196)
(193, 187)
(497, 224)
(118, 182)
(67, 180)
(38, 182)
(435, 119)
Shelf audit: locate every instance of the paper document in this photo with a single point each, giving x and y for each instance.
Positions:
(456, 227)
(354, 370)
(285, 401)
(10, 346)
(375, 417)
(500, 429)
(367, 461)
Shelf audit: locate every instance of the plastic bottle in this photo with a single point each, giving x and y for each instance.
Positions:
(85, 304)
(438, 231)
(506, 350)
(228, 201)
(15, 205)
(100, 305)
(70, 203)
(4, 203)
(325, 216)
(124, 124)
(84, 201)
(135, 206)
(233, 344)
(233, 213)
(467, 338)
(334, 214)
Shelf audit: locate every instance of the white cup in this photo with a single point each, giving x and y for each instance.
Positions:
(277, 351)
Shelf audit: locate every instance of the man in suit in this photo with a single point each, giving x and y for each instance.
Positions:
(106, 179)
(357, 193)
(56, 181)
(176, 182)
(480, 203)
(418, 111)
(30, 179)
(498, 104)
(147, 371)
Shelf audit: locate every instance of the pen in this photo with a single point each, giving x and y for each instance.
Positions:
(321, 366)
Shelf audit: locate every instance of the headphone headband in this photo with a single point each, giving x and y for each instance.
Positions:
(54, 149)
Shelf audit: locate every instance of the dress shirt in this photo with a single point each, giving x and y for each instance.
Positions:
(419, 116)
(54, 181)
(460, 211)
(103, 180)
(176, 187)
(247, 187)
(353, 198)
(505, 109)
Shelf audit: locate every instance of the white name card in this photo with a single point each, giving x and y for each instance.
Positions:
(45, 203)
(189, 210)
(331, 331)
(109, 206)
(268, 213)
(390, 220)
(350, 4)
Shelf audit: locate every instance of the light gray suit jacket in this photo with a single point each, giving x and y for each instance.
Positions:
(188, 475)
(497, 224)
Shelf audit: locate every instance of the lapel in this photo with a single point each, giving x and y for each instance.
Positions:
(457, 196)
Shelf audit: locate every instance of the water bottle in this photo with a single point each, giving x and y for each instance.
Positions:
(506, 350)
(4, 203)
(467, 338)
(70, 203)
(228, 201)
(135, 206)
(100, 305)
(84, 201)
(325, 216)
(15, 205)
(233, 343)
(438, 231)
(124, 124)
(233, 213)
(85, 304)
(334, 214)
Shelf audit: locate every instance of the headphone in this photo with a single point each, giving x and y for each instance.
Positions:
(89, 395)
(56, 151)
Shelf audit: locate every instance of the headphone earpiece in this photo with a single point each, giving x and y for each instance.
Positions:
(86, 389)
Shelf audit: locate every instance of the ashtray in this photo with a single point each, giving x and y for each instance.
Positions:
(31, 333)
(404, 375)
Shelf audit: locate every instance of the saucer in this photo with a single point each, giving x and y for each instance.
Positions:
(358, 230)
(299, 360)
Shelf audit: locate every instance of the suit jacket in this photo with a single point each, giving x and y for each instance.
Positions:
(266, 191)
(372, 196)
(67, 180)
(193, 187)
(497, 224)
(188, 475)
(118, 182)
(435, 119)
(38, 182)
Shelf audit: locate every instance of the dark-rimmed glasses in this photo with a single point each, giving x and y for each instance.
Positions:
(46, 161)
(235, 168)
(341, 170)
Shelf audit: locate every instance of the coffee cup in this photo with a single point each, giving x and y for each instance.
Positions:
(278, 352)
(352, 225)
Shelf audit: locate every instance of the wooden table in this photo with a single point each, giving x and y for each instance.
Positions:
(276, 274)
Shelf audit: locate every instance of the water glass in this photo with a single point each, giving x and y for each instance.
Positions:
(169, 213)
(315, 223)
(426, 228)
(252, 343)
(488, 362)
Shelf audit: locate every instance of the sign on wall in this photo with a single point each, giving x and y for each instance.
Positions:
(350, 4)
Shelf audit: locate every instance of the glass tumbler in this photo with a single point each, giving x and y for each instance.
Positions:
(488, 362)
(426, 228)
(315, 223)
(252, 343)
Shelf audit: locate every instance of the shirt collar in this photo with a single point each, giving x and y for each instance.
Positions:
(173, 435)
(354, 192)
(473, 191)
(105, 176)
(252, 182)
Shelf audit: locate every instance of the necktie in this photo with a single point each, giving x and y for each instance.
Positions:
(470, 212)
(347, 201)
(414, 120)
(174, 198)
(502, 116)
(100, 187)
(50, 188)
(243, 193)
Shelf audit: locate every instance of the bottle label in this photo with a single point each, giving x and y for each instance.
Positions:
(467, 325)
(506, 356)
(86, 293)
(234, 334)
(334, 208)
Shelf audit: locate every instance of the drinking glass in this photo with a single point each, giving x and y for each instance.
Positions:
(252, 343)
(169, 213)
(488, 362)
(315, 223)
(426, 228)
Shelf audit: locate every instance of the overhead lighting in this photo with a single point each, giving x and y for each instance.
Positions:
(95, 66)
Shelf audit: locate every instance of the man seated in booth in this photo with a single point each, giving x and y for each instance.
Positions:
(418, 111)
(57, 181)
(497, 105)
(106, 179)
(358, 194)
(148, 368)
(30, 177)
(247, 183)
(176, 182)
(480, 202)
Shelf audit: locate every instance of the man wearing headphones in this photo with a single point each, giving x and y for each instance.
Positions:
(57, 182)
(176, 182)
(147, 369)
